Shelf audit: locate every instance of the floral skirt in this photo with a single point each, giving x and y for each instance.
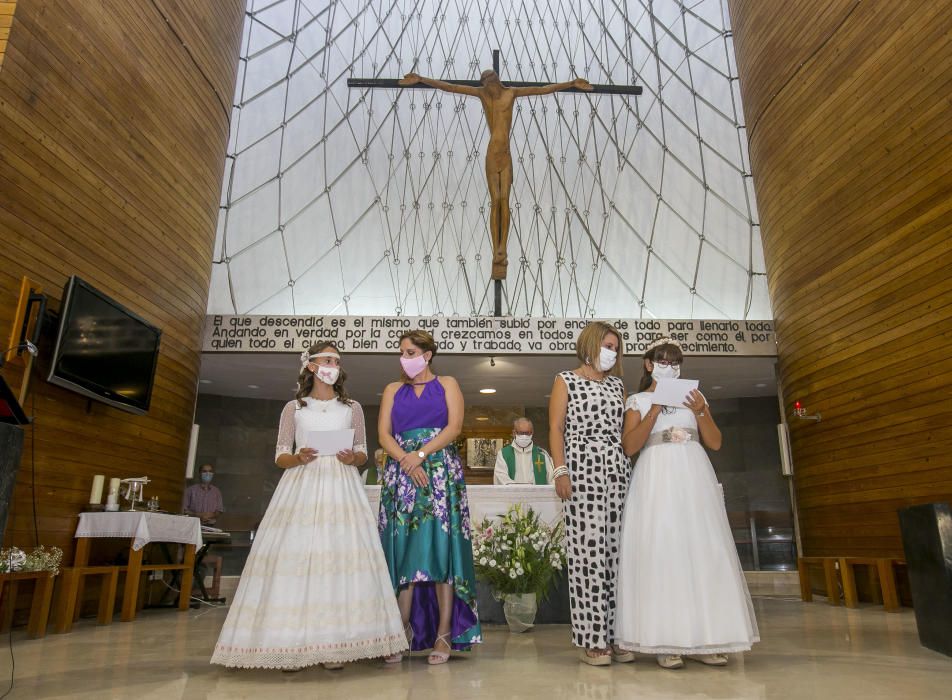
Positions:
(425, 532)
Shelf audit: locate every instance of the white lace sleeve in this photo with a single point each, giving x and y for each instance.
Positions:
(285, 444)
(360, 428)
(638, 402)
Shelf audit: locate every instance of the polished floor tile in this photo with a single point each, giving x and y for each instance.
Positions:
(809, 650)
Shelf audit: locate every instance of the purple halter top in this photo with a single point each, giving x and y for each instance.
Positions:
(429, 410)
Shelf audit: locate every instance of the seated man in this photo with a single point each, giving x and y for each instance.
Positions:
(203, 500)
(522, 462)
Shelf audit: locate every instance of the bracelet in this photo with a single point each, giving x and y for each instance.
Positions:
(560, 471)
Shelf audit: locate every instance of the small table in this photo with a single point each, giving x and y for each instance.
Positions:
(141, 528)
(42, 597)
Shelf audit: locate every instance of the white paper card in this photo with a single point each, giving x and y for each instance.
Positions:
(673, 392)
(330, 442)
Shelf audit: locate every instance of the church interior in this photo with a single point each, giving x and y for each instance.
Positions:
(200, 203)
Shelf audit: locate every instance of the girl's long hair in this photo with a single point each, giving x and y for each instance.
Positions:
(306, 378)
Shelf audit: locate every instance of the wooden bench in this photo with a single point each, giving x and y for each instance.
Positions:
(829, 576)
(68, 599)
(42, 597)
(887, 580)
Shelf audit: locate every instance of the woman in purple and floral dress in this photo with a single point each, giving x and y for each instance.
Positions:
(424, 516)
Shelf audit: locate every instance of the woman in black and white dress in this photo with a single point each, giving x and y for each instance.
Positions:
(585, 421)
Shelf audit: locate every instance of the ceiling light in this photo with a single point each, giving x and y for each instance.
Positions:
(204, 381)
(760, 385)
(487, 391)
(482, 417)
(253, 386)
(716, 387)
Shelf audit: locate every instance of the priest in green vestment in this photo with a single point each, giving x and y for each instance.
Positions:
(522, 461)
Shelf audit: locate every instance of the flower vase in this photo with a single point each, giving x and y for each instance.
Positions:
(520, 610)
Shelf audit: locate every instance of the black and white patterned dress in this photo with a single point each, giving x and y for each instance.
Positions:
(599, 472)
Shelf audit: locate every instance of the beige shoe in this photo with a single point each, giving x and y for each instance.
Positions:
(622, 656)
(599, 659)
(710, 659)
(436, 658)
(670, 661)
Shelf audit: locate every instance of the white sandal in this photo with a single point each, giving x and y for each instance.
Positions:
(398, 657)
(710, 659)
(670, 661)
(440, 657)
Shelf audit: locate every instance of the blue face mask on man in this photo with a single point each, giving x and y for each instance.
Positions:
(207, 477)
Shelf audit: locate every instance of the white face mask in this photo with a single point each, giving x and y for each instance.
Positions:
(669, 372)
(606, 359)
(327, 374)
(522, 441)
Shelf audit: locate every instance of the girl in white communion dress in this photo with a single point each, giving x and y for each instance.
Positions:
(315, 588)
(681, 590)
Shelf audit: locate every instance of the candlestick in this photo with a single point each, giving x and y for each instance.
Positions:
(95, 494)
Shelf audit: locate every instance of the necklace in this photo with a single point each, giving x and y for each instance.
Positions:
(322, 404)
(591, 379)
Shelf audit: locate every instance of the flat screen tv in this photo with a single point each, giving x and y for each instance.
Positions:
(103, 350)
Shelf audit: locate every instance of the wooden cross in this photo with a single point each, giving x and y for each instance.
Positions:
(499, 116)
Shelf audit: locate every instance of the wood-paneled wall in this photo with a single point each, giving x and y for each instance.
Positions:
(7, 8)
(113, 130)
(850, 130)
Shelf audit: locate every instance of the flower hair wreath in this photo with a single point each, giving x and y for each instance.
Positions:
(665, 341)
(306, 358)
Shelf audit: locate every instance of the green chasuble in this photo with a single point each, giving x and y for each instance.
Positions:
(538, 463)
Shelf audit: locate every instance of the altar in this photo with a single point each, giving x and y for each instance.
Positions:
(489, 501)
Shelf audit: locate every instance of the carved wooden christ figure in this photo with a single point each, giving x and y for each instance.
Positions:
(497, 101)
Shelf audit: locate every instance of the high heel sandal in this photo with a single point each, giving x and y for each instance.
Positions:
(440, 657)
(398, 657)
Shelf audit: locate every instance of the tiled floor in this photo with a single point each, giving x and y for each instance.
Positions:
(810, 650)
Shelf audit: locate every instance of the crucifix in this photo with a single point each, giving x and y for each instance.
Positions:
(497, 100)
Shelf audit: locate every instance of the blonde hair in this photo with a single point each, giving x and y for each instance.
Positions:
(589, 345)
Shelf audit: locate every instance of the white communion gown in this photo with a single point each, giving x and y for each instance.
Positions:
(681, 588)
(315, 588)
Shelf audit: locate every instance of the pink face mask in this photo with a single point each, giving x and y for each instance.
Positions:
(412, 366)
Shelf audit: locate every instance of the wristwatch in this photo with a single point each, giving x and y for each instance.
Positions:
(421, 454)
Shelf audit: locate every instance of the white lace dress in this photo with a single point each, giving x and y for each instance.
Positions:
(681, 588)
(316, 587)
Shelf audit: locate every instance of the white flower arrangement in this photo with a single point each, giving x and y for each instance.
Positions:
(518, 553)
(40, 559)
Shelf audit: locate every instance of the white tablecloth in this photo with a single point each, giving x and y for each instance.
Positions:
(145, 527)
(488, 501)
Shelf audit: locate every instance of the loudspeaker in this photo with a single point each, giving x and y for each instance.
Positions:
(927, 542)
(11, 447)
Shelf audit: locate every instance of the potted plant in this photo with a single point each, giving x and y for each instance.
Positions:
(520, 557)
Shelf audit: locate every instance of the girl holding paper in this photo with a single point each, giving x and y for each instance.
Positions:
(315, 588)
(681, 589)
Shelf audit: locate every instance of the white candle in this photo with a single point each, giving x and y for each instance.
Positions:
(95, 494)
(113, 497)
